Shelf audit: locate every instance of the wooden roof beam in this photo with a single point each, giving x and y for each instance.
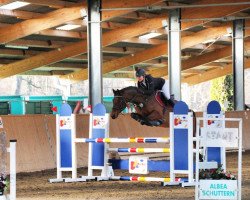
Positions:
(61, 16)
(216, 12)
(23, 53)
(108, 38)
(123, 4)
(138, 15)
(152, 52)
(39, 43)
(30, 15)
(212, 74)
(53, 4)
(81, 44)
(201, 59)
(32, 26)
(49, 3)
(47, 73)
(57, 33)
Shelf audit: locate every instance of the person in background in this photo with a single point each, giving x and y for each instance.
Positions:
(149, 85)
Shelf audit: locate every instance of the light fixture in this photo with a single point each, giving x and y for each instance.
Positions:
(149, 35)
(14, 5)
(16, 47)
(68, 27)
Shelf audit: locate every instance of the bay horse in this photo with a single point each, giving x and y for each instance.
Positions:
(149, 111)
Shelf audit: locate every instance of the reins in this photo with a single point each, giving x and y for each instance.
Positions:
(134, 100)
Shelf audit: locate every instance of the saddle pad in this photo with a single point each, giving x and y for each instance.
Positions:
(158, 98)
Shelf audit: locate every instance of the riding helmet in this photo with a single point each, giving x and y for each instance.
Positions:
(140, 72)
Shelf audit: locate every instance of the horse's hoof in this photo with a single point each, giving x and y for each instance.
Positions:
(142, 123)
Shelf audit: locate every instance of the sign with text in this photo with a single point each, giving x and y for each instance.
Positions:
(218, 189)
(219, 137)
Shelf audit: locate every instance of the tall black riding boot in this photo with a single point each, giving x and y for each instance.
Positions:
(171, 102)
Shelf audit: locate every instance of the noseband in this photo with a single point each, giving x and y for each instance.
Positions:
(122, 105)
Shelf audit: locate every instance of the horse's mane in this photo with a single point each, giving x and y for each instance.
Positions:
(129, 88)
(134, 89)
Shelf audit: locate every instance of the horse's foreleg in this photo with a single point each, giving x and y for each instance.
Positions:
(155, 115)
(154, 119)
(135, 116)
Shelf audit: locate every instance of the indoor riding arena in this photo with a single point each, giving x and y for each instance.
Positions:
(124, 99)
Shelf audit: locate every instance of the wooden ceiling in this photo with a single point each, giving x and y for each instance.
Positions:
(30, 43)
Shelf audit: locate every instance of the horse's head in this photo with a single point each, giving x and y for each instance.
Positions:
(119, 104)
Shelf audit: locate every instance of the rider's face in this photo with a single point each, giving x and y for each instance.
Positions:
(140, 78)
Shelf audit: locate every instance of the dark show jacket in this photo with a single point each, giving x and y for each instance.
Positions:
(152, 84)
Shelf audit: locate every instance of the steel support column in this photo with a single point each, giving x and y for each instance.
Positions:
(174, 53)
(238, 64)
(95, 52)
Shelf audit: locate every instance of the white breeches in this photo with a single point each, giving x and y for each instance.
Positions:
(165, 89)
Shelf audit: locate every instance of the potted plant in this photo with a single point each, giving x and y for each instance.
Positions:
(3, 184)
(216, 174)
(217, 184)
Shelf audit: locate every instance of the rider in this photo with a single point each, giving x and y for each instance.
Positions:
(149, 85)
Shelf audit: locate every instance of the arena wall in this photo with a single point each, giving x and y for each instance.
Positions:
(36, 136)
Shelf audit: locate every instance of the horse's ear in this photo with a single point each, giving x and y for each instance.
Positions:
(115, 91)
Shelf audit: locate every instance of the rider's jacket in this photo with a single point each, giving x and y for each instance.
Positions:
(150, 84)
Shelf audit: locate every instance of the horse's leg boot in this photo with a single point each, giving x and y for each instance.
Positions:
(154, 123)
(160, 121)
(135, 116)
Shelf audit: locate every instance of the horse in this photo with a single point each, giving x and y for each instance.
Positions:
(149, 111)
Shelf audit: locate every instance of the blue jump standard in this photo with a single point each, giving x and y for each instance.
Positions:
(214, 153)
(66, 139)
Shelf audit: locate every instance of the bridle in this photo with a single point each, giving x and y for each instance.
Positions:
(122, 105)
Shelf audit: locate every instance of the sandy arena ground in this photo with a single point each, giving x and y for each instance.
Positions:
(35, 186)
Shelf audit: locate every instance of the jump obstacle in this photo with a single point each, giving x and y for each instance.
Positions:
(181, 147)
(216, 137)
(12, 183)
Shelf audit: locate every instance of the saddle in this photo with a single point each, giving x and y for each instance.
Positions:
(161, 99)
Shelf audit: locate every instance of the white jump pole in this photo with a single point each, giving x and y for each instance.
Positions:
(12, 151)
